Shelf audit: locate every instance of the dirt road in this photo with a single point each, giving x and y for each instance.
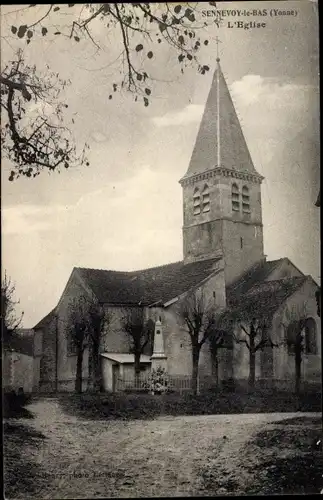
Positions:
(139, 458)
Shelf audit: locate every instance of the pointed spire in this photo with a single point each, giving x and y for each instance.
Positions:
(220, 141)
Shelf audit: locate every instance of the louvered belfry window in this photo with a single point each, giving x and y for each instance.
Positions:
(206, 199)
(245, 200)
(235, 197)
(196, 202)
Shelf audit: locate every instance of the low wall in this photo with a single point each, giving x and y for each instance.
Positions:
(18, 371)
(278, 384)
(67, 385)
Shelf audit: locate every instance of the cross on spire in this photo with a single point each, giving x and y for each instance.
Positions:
(217, 41)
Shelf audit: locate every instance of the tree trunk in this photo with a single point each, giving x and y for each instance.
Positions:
(252, 368)
(78, 378)
(298, 363)
(216, 366)
(90, 370)
(97, 369)
(195, 368)
(137, 370)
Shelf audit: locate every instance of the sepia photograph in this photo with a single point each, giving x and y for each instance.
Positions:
(160, 287)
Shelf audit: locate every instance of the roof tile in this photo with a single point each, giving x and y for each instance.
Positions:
(257, 274)
(46, 320)
(253, 295)
(148, 286)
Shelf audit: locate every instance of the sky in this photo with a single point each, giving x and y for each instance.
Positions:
(124, 211)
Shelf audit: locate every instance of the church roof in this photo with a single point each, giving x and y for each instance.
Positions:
(263, 298)
(148, 286)
(220, 141)
(254, 294)
(256, 275)
(46, 320)
(125, 358)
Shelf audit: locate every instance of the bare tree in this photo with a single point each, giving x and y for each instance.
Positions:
(252, 316)
(98, 319)
(140, 333)
(199, 316)
(10, 320)
(86, 326)
(256, 338)
(294, 330)
(219, 339)
(41, 141)
(77, 332)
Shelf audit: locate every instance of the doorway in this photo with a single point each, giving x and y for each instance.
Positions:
(115, 376)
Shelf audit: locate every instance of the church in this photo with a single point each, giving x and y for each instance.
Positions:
(223, 256)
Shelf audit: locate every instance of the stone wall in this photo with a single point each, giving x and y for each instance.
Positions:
(242, 248)
(18, 371)
(177, 341)
(221, 230)
(113, 339)
(276, 364)
(47, 363)
(38, 350)
(301, 302)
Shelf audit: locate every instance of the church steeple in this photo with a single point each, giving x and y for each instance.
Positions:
(220, 141)
(221, 189)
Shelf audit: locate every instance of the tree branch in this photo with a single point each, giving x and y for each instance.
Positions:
(243, 328)
(241, 341)
(16, 86)
(42, 18)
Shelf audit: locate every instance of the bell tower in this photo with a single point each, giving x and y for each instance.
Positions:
(222, 190)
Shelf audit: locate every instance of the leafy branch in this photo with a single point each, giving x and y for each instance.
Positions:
(174, 24)
(33, 135)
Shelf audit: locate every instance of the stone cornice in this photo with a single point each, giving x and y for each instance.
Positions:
(247, 223)
(222, 171)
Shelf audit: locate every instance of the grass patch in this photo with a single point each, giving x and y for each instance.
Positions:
(293, 475)
(145, 406)
(20, 470)
(21, 433)
(218, 480)
(288, 462)
(279, 459)
(289, 437)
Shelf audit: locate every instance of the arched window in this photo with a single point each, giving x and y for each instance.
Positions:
(235, 198)
(310, 336)
(293, 336)
(206, 199)
(302, 335)
(196, 202)
(71, 345)
(245, 200)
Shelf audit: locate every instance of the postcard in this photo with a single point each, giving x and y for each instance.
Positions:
(161, 249)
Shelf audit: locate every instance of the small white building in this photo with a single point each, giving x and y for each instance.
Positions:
(120, 367)
(19, 370)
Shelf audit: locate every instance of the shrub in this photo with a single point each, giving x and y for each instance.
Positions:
(14, 402)
(228, 385)
(158, 381)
